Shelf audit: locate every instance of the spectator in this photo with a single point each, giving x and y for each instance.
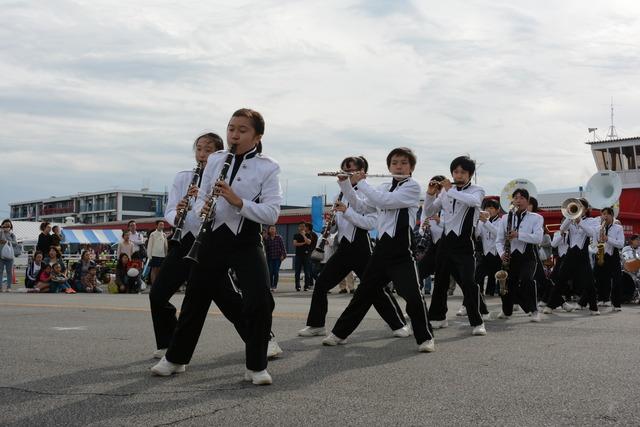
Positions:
(157, 249)
(44, 238)
(59, 280)
(276, 253)
(57, 237)
(55, 257)
(137, 239)
(134, 273)
(81, 269)
(125, 246)
(89, 282)
(33, 270)
(122, 279)
(44, 279)
(8, 249)
(302, 241)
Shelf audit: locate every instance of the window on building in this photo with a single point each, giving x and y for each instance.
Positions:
(602, 159)
(614, 155)
(628, 158)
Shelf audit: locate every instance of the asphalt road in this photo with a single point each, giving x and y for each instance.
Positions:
(85, 359)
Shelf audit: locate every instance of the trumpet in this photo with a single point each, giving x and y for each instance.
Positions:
(572, 209)
(181, 215)
(377, 175)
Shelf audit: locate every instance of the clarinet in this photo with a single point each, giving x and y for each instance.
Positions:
(501, 276)
(426, 239)
(181, 216)
(318, 252)
(206, 224)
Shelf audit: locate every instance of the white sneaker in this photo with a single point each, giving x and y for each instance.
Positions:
(403, 332)
(616, 309)
(479, 330)
(542, 304)
(606, 304)
(547, 310)
(332, 340)
(516, 307)
(258, 377)
(428, 346)
(159, 353)
(581, 307)
(536, 317)
(439, 324)
(462, 311)
(568, 307)
(501, 315)
(310, 331)
(164, 368)
(600, 304)
(595, 312)
(273, 349)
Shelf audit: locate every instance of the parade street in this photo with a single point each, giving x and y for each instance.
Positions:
(85, 359)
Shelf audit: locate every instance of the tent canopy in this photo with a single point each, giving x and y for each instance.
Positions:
(92, 237)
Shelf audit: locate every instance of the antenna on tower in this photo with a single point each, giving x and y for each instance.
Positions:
(613, 134)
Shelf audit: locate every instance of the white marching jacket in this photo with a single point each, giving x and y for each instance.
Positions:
(615, 239)
(560, 241)
(387, 203)
(530, 231)
(488, 232)
(456, 204)
(256, 183)
(579, 234)
(178, 191)
(349, 221)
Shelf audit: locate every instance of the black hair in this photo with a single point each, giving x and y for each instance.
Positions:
(44, 225)
(256, 120)
(402, 152)
(125, 231)
(491, 203)
(4, 221)
(55, 248)
(608, 210)
(129, 223)
(634, 237)
(522, 192)
(359, 162)
(465, 162)
(211, 137)
(438, 178)
(585, 203)
(158, 221)
(534, 203)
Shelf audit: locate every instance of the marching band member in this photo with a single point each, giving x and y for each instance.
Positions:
(525, 234)
(353, 253)
(430, 234)
(460, 204)
(392, 259)
(577, 263)
(612, 235)
(555, 297)
(174, 271)
(251, 197)
(486, 230)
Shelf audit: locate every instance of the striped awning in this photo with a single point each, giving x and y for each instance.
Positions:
(92, 237)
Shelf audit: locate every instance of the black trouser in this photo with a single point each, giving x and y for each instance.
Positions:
(521, 288)
(173, 273)
(610, 272)
(303, 263)
(577, 267)
(427, 264)
(388, 263)
(459, 263)
(351, 257)
(488, 266)
(218, 253)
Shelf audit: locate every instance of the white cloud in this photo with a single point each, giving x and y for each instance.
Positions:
(117, 91)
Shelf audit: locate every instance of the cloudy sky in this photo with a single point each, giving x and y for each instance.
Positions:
(101, 94)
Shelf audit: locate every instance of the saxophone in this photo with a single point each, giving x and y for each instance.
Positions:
(601, 245)
(502, 275)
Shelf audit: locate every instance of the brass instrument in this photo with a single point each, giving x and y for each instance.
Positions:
(379, 175)
(502, 275)
(318, 252)
(572, 209)
(208, 218)
(181, 215)
(601, 245)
